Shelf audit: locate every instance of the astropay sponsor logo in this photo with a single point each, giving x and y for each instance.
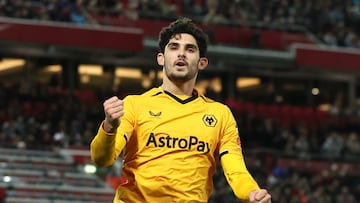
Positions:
(165, 140)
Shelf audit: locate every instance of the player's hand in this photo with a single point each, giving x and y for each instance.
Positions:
(114, 109)
(260, 196)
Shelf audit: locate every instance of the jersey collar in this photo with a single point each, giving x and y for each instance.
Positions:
(193, 96)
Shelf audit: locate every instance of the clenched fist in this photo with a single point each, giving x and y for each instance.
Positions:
(260, 196)
(114, 109)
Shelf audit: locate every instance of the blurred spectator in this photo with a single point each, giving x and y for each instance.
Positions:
(333, 22)
(214, 15)
(76, 16)
(330, 38)
(196, 9)
(352, 146)
(302, 146)
(351, 39)
(132, 10)
(333, 145)
(168, 8)
(149, 8)
(345, 196)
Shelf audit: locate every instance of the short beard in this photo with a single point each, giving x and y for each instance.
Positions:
(178, 79)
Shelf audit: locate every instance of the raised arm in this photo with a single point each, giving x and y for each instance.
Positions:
(102, 148)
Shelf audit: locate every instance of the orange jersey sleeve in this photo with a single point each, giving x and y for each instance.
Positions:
(232, 160)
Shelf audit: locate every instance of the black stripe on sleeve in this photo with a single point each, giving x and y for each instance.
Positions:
(223, 153)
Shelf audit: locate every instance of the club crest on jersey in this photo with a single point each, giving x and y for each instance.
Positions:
(209, 120)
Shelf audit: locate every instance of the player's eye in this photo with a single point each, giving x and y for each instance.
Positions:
(191, 50)
(173, 46)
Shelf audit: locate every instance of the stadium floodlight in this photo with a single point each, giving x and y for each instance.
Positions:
(125, 72)
(8, 64)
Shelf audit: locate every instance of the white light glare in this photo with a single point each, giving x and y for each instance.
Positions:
(88, 168)
(315, 91)
(7, 179)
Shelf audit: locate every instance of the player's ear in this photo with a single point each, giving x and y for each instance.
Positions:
(203, 62)
(160, 59)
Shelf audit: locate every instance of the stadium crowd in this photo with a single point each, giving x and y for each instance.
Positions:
(44, 117)
(333, 22)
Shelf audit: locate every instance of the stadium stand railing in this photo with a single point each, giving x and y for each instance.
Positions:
(43, 176)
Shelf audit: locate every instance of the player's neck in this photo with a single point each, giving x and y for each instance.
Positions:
(183, 89)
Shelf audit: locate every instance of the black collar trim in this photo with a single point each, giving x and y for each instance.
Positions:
(193, 97)
(157, 93)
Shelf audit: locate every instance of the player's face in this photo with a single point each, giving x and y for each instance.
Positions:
(181, 59)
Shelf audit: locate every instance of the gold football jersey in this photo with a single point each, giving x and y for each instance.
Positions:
(172, 147)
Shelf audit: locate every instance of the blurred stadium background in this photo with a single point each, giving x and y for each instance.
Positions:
(289, 70)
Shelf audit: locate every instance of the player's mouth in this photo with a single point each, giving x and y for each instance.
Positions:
(180, 64)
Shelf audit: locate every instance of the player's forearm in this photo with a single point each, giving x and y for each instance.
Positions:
(242, 184)
(239, 179)
(102, 149)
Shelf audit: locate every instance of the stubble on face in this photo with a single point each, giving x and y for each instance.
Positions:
(181, 58)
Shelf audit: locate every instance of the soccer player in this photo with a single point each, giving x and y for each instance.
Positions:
(172, 136)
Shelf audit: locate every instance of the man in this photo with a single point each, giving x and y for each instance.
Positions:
(171, 136)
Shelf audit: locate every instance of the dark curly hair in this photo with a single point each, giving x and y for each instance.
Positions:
(183, 25)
